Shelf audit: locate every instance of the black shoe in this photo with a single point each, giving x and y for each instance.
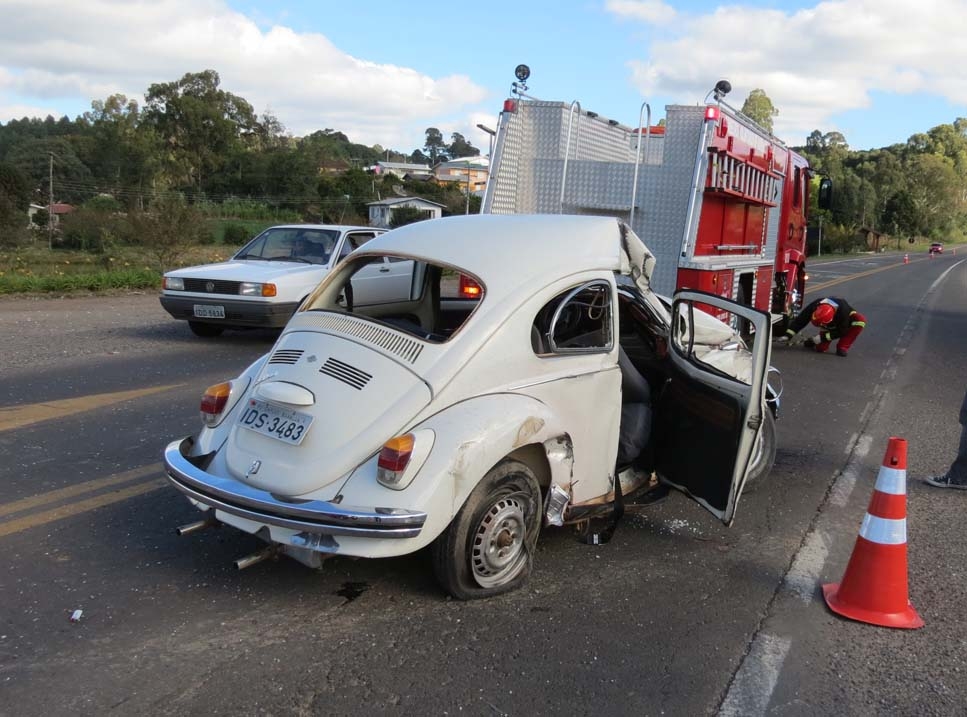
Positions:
(840, 352)
(945, 481)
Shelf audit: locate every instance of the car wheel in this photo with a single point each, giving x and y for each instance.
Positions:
(488, 548)
(763, 453)
(206, 331)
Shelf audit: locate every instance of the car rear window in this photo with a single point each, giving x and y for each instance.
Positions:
(428, 301)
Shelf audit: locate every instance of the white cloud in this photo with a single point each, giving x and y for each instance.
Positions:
(107, 46)
(812, 63)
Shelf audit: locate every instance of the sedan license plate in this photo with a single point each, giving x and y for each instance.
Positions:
(203, 311)
(275, 422)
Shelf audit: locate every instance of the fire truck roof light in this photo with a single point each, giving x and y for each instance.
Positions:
(510, 105)
(711, 113)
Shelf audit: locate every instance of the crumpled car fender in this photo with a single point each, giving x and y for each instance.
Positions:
(474, 436)
(470, 438)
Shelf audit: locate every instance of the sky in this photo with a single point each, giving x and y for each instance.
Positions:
(383, 71)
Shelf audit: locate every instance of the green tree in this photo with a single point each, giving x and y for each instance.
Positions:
(406, 215)
(168, 229)
(73, 181)
(198, 123)
(460, 147)
(759, 107)
(435, 146)
(14, 202)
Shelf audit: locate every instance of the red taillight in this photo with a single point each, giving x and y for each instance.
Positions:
(711, 113)
(214, 400)
(395, 456)
(469, 289)
(510, 105)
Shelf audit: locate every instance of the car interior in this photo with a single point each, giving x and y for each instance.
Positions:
(432, 313)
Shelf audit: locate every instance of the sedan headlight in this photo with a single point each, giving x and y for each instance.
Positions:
(173, 283)
(248, 288)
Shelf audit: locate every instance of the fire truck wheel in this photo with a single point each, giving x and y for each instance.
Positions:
(763, 454)
(488, 548)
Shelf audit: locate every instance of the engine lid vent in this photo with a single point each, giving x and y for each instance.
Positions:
(289, 356)
(357, 378)
(394, 342)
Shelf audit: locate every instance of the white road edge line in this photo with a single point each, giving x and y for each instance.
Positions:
(752, 688)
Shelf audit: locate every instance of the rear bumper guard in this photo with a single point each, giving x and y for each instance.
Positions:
(309, 516)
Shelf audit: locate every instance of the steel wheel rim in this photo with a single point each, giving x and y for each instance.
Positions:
(498, 551)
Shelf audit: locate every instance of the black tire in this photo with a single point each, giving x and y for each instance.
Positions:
(471, 558)
(763, 454)
(206, 331)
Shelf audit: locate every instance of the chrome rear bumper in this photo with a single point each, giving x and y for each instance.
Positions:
(309, 516)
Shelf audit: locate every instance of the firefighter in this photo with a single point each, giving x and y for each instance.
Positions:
(835, 318)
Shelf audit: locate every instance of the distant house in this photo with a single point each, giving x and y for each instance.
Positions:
(57, 210)
(474, 170)
(381, 212)
(401, 169)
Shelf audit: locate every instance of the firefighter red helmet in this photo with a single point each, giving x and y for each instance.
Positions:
(823, 314)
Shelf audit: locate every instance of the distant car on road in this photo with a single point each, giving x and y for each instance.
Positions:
(267, 279)
(936, 248)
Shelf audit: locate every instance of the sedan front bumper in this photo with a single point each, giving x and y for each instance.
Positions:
(237, 313)
(308, 516)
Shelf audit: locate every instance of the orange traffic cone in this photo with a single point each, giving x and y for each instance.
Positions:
(874, 586)
(906, 258)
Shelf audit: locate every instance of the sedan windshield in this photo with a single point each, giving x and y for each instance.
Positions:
(305, 245)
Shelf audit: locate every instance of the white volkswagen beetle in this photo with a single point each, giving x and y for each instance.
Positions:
(566, 388)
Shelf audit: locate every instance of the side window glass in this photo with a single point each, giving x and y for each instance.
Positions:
(797, 188)
(710, 341)
(354, 241)
(576, 321)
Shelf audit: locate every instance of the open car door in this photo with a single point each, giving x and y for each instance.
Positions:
(710, 412)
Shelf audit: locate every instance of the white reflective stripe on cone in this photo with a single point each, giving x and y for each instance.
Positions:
(886, 531)
(892, 481)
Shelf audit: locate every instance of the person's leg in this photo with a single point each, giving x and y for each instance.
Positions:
(956, 477)
(857, 324)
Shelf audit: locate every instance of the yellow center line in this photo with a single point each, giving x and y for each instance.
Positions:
(19, 416)
(74, 490)
(834, 282)
(66, 511)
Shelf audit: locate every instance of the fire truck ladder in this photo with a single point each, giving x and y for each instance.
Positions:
(737, 178)
(572, 127)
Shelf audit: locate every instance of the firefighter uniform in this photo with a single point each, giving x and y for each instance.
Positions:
(844, 324)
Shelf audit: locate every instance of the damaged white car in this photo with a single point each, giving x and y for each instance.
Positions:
(563, 390)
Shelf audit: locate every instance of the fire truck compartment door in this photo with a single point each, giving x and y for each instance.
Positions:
(710, 413)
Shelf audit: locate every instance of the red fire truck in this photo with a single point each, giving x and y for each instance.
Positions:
(721, 202)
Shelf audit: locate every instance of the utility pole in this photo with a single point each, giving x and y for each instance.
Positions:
(468, 189)
(820, 251)
(50, 204)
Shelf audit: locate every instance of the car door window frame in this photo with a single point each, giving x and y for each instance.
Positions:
(568, 303)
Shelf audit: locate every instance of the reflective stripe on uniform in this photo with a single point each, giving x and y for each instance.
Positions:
(885, 531)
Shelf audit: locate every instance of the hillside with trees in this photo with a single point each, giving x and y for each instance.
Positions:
(197, 144)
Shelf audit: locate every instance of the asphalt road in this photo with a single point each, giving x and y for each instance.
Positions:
(677, 615)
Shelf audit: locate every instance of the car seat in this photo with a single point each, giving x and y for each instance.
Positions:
(635, 429)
